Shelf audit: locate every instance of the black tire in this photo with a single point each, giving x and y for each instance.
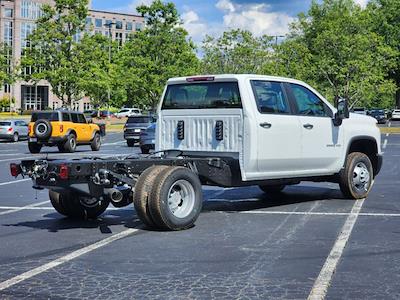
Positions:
(96, 142)
(70, 144)
(15, 137)
(60, 147)
(145, 150)
(356, 178)
(141, 194)
(272, 189)
(130, 143)
(170, 179)
(42, 129)
(70, 205)
(34, 147)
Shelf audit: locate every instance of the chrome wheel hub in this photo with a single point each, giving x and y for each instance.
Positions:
(181, 198)
(361, 177)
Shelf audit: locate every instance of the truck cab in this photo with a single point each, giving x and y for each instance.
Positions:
(277, 128)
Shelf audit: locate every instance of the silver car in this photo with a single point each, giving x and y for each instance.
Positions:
(13, 130)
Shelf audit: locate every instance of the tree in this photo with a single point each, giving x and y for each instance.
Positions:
(53, 54)
(385, 20)
(332, 46)
(158, 52)
(99, 75)
(7, 69)
(236, 51)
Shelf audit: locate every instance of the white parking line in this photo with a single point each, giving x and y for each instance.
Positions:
(116, 143)
(15, 181)
(320, 288)
(389, 124)
(61, 260)
(384, 144)
(16, 209)
(310, 213)
(387, 134)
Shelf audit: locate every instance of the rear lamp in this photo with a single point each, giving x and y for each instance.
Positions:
(15, 170)
(10, 129)
(64, 172)
(61, 128)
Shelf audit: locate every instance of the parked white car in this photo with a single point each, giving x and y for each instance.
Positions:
(127, 112)
(396, 114)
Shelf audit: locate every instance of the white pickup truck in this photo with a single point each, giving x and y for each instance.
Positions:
(223, 130)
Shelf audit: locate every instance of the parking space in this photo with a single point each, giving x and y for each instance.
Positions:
(246, 244)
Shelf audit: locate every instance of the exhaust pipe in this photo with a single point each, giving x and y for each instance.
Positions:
(115, 195)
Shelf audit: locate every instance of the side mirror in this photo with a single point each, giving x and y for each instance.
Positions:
(342, 112)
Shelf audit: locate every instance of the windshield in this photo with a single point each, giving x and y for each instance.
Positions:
(123, 110)
(139, 120)
(202, 95)
(50, 116)
(5, 123)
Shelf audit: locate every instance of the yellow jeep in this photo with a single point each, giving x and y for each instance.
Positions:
(64, 129)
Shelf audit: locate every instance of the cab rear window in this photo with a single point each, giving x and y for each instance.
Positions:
(202, 95)
(49, 116)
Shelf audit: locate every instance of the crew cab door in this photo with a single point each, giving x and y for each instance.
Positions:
(278, 132)
(322, 142)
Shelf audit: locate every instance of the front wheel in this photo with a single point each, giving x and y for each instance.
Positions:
(357, 177)
(34, 147)
(145, 150)
(70, 144)
(15, 137)
(96, 142)
(175, 200)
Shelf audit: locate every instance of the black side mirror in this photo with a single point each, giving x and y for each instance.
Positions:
(342, 112)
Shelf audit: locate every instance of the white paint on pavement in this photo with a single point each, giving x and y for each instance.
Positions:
(384, 144)
(61, 260)
(17, 209)
(389, 124)
(116, 143)
(387, 134)
(321, 285)
(15, 181)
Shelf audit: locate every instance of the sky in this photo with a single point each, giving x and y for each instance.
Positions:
(212, 17)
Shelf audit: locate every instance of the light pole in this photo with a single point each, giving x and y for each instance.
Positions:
(109, 26)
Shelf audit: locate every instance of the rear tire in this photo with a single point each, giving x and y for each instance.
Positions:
(145, 150)
(34, 147)
(175, 200)
(15, 137)
(130, 143)
(70, 144)
(60, 147)
(357, 177)
(96, 142)
(71, 205)
(141, 194)
(272, 189)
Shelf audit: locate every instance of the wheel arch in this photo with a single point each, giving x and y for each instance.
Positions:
(71, 131)
(367, 145)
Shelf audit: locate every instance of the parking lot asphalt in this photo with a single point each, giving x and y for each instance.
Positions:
(245, 244)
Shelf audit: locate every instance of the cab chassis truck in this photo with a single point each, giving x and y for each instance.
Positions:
(223, 130)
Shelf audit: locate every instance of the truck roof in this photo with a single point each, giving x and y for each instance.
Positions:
(225, 77)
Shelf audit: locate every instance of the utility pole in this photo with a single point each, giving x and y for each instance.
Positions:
(109, 25)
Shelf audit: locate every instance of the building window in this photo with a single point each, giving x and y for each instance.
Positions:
(139, 26)
(8, 13)
(118, 25)
(8, 33)
(99, 23)
(31, 10)
(7, 88)
(129, 26)
(26, 30)
(86, 106)
(118, 38)
(108, 22)
(88, 22)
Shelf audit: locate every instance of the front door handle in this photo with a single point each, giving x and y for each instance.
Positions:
(308, 126)
(266, 125)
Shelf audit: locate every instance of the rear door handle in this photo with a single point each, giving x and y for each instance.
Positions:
(308, 126)
(266, 125)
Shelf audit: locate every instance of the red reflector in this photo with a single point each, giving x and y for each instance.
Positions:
(61, 128)
(10, 129)
(63, 172)
(15, 170)
(193, 79)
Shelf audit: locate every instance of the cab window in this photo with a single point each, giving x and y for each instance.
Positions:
(66, 117)
(81, 119)
(308, 104)
(270, 97)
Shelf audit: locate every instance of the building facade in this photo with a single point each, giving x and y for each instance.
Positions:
(17, 21)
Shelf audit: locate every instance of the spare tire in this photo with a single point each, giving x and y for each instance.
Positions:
(42, 129)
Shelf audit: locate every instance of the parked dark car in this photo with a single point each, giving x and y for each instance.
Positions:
(148, 139)
(90, 113)
(379, 115)
(134, 126)
(105, 114)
